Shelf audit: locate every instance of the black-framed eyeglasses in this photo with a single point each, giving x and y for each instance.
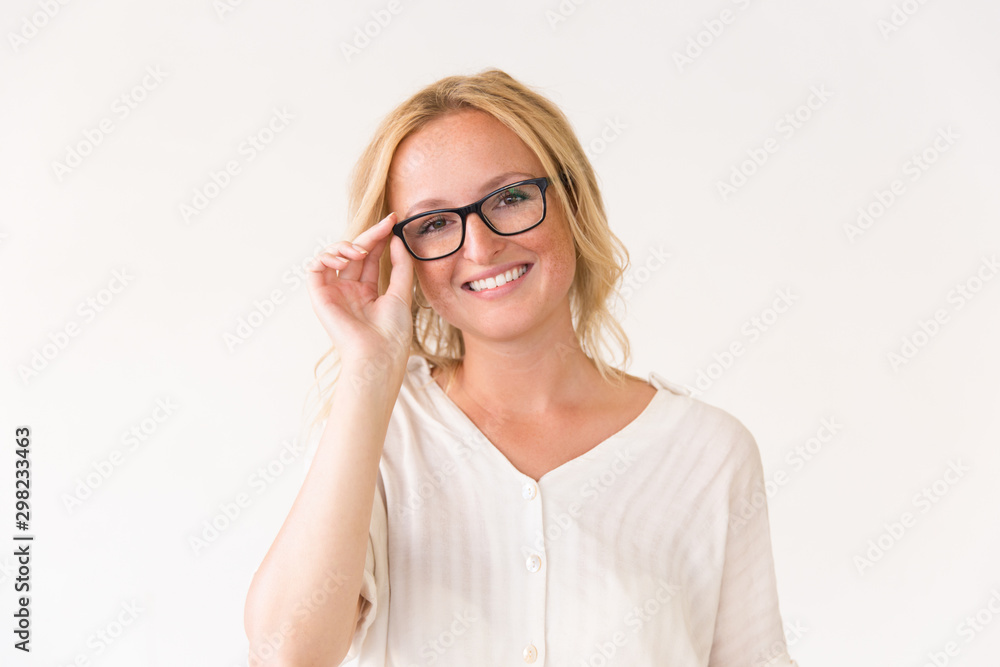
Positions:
(512, 209)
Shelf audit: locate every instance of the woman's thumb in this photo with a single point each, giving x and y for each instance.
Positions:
(401, 276)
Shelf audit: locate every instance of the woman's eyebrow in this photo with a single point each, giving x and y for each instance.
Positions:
(488, 186)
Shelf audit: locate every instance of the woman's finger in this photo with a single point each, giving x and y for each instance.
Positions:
(336, 256)
(345, 249)
(380, 229)
(371, 270)
(319, 272)
(327, 260)
(372, 240)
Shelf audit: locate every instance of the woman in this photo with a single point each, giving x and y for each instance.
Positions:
(488, 489)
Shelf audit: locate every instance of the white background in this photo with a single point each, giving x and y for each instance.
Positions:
(682, 128)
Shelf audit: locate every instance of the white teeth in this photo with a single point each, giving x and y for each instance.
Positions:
(498, 280)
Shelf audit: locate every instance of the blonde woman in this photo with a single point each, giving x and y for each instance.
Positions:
(489, 487)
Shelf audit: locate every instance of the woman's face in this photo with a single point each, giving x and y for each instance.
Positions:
(453, 161)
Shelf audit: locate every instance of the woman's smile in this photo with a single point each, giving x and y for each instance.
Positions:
(497, 280)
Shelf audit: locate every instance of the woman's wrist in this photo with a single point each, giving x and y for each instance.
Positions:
(379, 376)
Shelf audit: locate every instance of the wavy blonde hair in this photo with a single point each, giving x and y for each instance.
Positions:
(601, 258)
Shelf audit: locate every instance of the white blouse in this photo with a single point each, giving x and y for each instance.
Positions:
(651, 549)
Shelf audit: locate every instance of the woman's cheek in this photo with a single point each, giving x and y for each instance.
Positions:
(436, 287)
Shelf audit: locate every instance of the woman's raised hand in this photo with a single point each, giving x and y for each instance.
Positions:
(343, 288)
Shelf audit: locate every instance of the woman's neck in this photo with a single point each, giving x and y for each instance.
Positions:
(524, 379)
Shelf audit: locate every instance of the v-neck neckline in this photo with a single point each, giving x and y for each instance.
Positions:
(594, 452)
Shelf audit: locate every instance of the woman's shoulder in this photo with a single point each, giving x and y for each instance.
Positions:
(701, 424)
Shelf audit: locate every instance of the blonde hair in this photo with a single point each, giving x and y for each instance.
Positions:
(601, 258)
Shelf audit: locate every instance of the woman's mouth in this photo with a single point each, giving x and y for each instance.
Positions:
(498, 280)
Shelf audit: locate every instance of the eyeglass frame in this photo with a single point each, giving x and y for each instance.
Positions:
(477, 208)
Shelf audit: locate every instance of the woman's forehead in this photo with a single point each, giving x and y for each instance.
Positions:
(463, 150)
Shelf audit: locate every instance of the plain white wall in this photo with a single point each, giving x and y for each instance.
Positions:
(888, 81)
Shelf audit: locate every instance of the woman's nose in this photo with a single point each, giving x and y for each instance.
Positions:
(481, 243)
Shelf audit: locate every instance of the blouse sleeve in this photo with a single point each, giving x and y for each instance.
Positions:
(748, 625)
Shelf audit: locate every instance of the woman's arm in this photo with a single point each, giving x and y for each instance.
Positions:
(323, 542)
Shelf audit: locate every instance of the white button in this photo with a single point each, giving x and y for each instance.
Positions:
(533, 563)
(530, 653)
(528, 490)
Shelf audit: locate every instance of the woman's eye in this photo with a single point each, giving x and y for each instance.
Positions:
(511, 197)
(433, 225)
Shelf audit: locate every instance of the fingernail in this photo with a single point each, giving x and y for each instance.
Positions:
(359, 249)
